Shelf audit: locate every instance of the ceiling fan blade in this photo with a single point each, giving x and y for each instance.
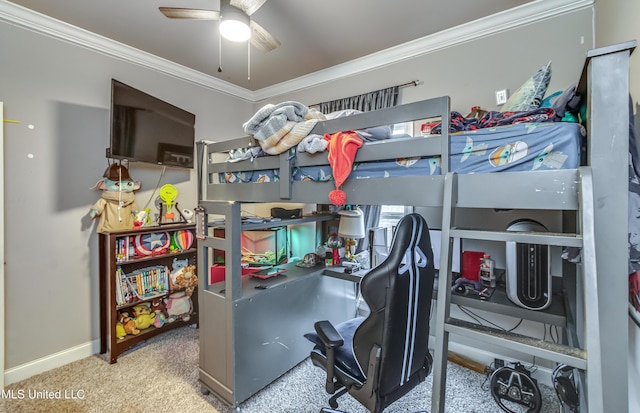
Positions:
(192, 14)
(247, 6)
(262, 39)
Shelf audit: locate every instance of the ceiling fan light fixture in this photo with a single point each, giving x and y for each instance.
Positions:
(234, 24)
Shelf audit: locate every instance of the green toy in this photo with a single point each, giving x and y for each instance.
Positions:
(117, 206)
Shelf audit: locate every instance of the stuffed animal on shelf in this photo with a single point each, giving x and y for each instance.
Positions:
(143, 316)
(158, 307)
(128, 324)
(142, 218)
(120, 333)
(183, 276)
(159, 320)
(179, 264)
(186, 279)
(179, 306)
(117, 205)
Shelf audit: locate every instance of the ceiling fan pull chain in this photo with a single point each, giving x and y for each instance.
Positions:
(248, 60)
(219, 52)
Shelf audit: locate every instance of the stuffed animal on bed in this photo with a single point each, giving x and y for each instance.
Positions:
(117, 205)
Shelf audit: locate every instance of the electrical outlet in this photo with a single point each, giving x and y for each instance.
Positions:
(501, 97)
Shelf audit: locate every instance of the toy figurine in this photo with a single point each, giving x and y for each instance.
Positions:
(334, 242)
(117, 206)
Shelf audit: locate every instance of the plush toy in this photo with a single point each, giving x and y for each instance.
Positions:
(157, 305)
(142, 218)
(120, 333)
(178, 264)
(179, 306)
(159, 320)
(117, 205)
(143, 316)
(183, 276)
(128, 324)
(185, 279)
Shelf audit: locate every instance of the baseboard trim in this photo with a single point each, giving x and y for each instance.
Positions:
(41, 365)
(52, 361)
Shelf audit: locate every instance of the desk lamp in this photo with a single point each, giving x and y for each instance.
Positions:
(351, 228)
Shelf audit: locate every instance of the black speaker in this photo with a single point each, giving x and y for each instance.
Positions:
(286, 213)
(528, 272)
(564, 385)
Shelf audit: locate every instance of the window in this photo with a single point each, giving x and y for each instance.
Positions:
(389, 217)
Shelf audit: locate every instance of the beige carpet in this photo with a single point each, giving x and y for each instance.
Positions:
(161, 375)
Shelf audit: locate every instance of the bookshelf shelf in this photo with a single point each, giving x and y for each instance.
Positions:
(136, 267)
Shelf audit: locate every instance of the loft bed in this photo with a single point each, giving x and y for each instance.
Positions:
(396, 163)
(557, 186)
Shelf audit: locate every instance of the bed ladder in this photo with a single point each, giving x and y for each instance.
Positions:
(571, 354)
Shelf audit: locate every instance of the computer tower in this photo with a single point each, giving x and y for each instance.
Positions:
(528, 272)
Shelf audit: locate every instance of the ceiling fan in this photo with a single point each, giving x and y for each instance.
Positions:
(235, 21)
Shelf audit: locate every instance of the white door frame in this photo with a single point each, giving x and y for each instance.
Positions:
(2, 246)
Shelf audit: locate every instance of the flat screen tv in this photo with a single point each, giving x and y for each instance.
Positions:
(147, 129)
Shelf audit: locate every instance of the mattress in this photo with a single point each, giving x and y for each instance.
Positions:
(518, 147)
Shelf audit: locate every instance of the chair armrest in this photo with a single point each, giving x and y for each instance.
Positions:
(331, 340)
(328, 334)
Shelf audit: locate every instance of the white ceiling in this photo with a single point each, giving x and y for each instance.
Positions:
(315, 35)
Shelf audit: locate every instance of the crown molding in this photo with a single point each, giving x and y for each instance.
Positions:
(47, 26)
(529, 13)
(535, 11)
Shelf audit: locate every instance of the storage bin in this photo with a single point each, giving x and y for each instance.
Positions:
(217, 273)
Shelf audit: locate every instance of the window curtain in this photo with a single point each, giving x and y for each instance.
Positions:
(371, 220)
(379, 99)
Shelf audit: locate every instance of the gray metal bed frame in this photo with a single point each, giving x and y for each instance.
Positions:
(592, 200)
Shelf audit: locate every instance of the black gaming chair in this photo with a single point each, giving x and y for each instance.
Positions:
(378, 359)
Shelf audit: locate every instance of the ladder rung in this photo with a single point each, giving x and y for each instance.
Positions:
(559, 353)
(543, 238)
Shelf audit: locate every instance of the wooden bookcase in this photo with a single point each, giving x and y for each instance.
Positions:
(116, 259)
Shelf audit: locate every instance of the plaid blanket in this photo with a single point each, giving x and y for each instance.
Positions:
(493, 118)
(280, 127)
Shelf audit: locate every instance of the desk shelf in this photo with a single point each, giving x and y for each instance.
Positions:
(498, 303)
(248, 336)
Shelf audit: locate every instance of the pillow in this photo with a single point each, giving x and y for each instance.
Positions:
(369, 134)
(530, 94)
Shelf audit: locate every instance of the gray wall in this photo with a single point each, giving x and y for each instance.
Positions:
(471, 72)
(51, 248)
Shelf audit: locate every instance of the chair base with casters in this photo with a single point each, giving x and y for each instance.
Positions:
(380, 358)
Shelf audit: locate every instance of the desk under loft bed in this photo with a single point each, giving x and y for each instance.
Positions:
(590, 197)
